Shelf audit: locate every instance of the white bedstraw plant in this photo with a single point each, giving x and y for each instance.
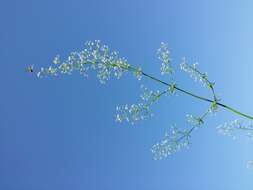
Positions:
(108, 64)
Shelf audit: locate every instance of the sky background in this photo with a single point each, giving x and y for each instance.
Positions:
(60, 133)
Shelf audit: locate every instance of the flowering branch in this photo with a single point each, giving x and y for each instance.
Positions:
(108, 64)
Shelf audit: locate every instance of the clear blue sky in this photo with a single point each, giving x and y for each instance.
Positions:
(60, 134)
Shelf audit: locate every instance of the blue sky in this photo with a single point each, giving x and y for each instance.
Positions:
(60, 133)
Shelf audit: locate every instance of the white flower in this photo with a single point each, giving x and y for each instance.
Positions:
(56, 60)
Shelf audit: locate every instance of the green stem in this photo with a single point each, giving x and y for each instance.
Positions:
(235, 111)
(205, 114)
(196, 96)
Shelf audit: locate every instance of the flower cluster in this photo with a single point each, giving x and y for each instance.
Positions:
(133, 113)
(230, 129)
(164, 55)
(149, 96)
(194, 121)
(140, 111)
(173, 141)
(95, 56)
(195, 73)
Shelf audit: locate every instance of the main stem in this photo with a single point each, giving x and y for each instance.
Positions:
(196, 96)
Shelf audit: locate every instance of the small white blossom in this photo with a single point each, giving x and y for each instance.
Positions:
(57, 60)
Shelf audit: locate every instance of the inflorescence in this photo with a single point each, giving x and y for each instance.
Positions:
(232, 128)
(95, 56)
(140, 111)
(195, 73)
(164, 55)
(107, 63)
(173, 141)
